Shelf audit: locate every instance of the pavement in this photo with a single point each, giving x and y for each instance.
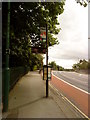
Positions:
(28, 100)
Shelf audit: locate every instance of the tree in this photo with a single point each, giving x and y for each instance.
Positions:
(53, 65)
(82, 64)
(30, 16)
(37, 61)
(89, 64)
(83, 2)
(61, 68)
(26, 20)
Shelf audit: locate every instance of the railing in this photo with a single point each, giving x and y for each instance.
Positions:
(15, 74)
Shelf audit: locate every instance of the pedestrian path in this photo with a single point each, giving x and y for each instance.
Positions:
(27, 100)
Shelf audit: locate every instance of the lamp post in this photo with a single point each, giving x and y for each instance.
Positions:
(7, 70)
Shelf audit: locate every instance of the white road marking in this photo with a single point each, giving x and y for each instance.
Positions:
(71, 84)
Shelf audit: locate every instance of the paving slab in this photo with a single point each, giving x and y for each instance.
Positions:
(27, 100)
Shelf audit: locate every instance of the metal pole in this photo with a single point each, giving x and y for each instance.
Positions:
(47, 62)
(7, 70)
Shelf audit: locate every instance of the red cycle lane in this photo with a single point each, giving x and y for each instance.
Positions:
(77, 96)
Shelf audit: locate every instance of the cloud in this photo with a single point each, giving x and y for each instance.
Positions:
(73, 37)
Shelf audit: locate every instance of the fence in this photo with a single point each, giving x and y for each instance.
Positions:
(15, 74)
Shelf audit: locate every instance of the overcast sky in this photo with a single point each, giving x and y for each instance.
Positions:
(73, 37)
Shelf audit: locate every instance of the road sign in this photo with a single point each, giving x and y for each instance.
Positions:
(38, 50)
(43, 34)
(45, 72)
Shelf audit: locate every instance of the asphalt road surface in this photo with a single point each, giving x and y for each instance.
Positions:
(76, 79)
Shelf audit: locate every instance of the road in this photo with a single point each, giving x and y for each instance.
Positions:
(76, 79)
(75, 87)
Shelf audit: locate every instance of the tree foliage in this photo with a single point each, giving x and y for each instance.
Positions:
(82, 64)
(25, 22)
(83, 2)
(54, 66)
(36, 61)
(27, 18)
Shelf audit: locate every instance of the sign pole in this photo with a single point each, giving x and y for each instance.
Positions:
(47, 62)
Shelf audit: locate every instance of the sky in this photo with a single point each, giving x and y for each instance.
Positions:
(73, 38)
